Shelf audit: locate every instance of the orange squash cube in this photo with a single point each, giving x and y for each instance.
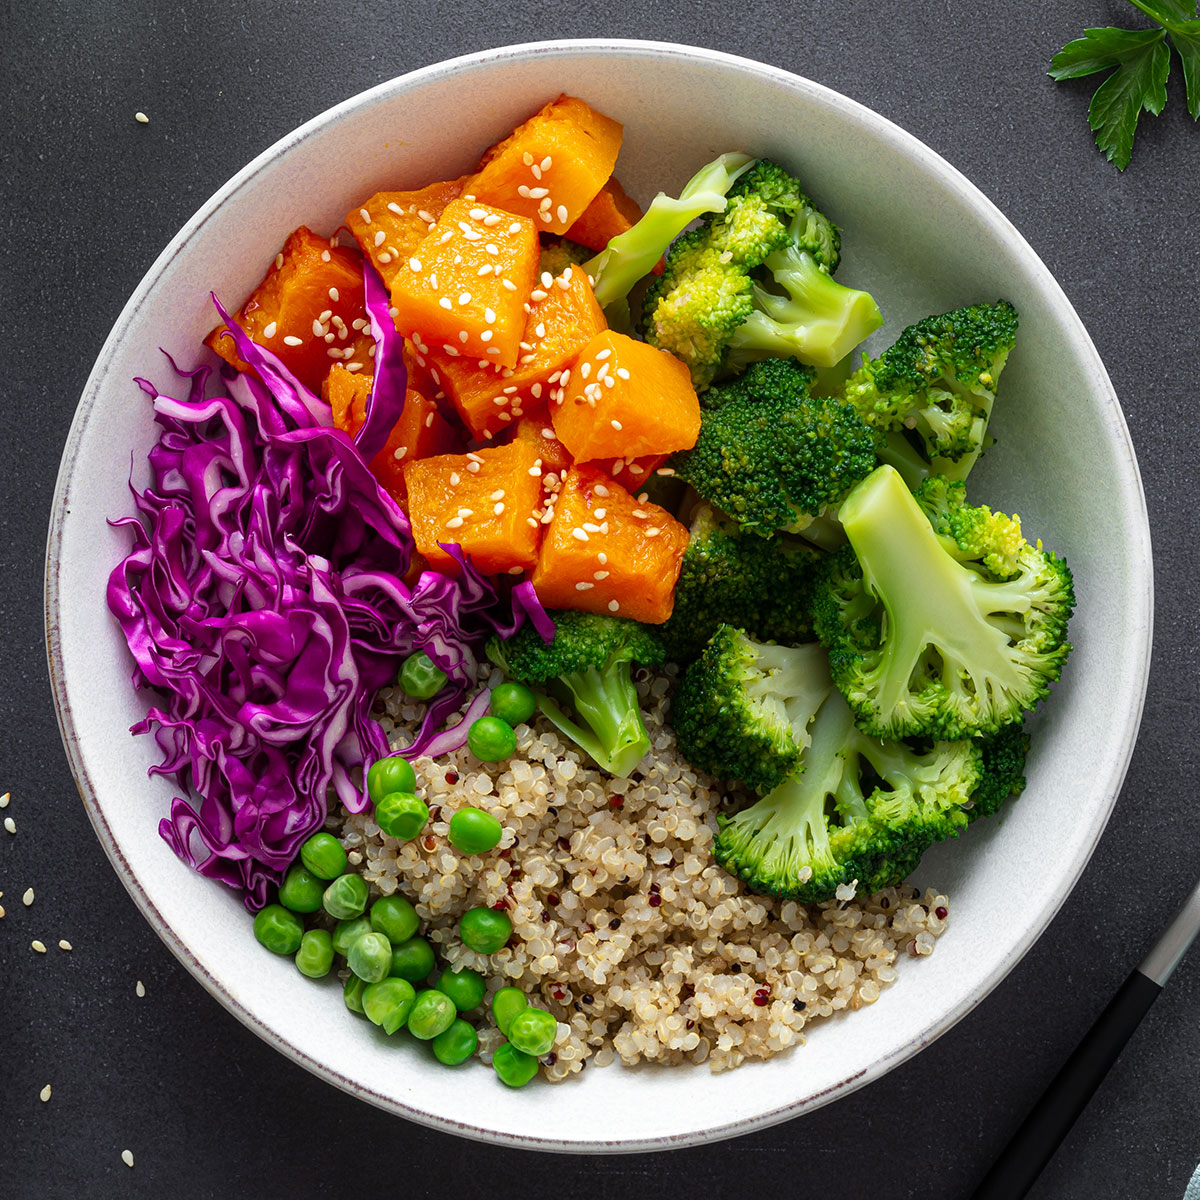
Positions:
(604, 552)
(535, 428)
(403, 218)
(420, 430)
(311, 290)
(624, 399)
(488, 502)
(551, 167)
(464, 288)
(611, 211)
(563, 317)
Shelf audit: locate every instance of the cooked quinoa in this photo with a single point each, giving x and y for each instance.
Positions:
(623, 926)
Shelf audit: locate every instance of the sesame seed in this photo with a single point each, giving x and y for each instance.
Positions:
(591, 527)
(40, 947)
(318, 329)
(641, 516)
(609, 381)
(561, 213)
(547, 279)
(523, 190)
(466, 512)
(474, 457)
(615, 424)
(484, 270)
(290, 340)
(454, 523)
(492, 220)
(508, 285)
(4, 800)
(527, 158)
(269, 331)
(613, 606)
(536, 193)
(584, 587)
(444, 302)
(141, 118)
(27, 898)
(643, 497)
(140, 989)
(653, 531)
(477, 214)
(279, 260)
(10, 825)
(399, 452)
(429, 420)
(600, 513)
(579, 535)
(535, 471)
(585, 370)
(498, 494)
(544, 203)
(445, 237)
(491, 248)
(44, 1094)
(326, 256)
(602, 558)
(498, 509)
(486, 336)
(366, 216)
(432, 282)
(65, 945)
(537, 295)
(545, 216)
(393, 207)
(489, 316)
(546, 163)
(515, 227)
(427, 217)
(454, 478)
(536, 391)
(414, 264)
(532, 521)
(598, 575)
(462, 336)
(127, 1157)
(354, 366)
(622, 373)
(473, 468)
(602, 372)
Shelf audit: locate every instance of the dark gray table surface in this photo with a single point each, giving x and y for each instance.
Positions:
(89, 197)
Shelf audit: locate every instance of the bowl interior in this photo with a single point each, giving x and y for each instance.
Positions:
(922, 240)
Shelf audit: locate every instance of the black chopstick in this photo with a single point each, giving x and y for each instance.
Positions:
(1049, 1121)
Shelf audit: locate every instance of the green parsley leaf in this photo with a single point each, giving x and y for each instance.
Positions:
(1139, 61)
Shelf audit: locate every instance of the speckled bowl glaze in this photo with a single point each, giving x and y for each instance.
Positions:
(922, 239)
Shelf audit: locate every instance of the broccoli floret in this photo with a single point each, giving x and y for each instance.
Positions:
(631, 255)
(743, 708)
(587, 666)
(754, 282)
(1003, 771)
(925, 642)
(559, 253)
(762, 585)
(939, 380)
(971, 532)
(772, 456)
(857, 813)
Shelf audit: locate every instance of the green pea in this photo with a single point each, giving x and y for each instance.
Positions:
(533, 1030)
(395, 918)
(413, 960)
(352, 993)
(432, 1013)
(515, 1067)
(464, 986)
(484, 930)
(420, 678)
(370, 957)
(491, 739)
(346, 896)
(315, 956)
(455, 1044)
(401, 815)
(324, 856)
(388, 1002)
(474, 831)
(301, 890)
(391, 774)
(279, 930)
(513, 703)
(506, 1004)
(346, 933)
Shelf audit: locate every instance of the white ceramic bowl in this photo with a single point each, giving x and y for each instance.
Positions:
(922, 239)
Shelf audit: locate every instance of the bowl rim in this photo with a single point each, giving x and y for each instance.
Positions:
(1131, 487)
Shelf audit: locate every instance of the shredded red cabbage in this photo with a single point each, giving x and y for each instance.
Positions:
(264, 597)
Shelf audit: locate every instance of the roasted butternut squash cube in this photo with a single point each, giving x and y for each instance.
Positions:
(420, 430)
(308, 310)
(551, 168)
(605, 552)
(488, 502)
(612, 211)
(389, 226)
(624, 399)
(563, 317)
(464, 288)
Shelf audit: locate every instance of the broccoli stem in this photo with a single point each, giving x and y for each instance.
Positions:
(930, 599)
(898, 452)
(610, 724)
(631, 255)
(818, 322)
